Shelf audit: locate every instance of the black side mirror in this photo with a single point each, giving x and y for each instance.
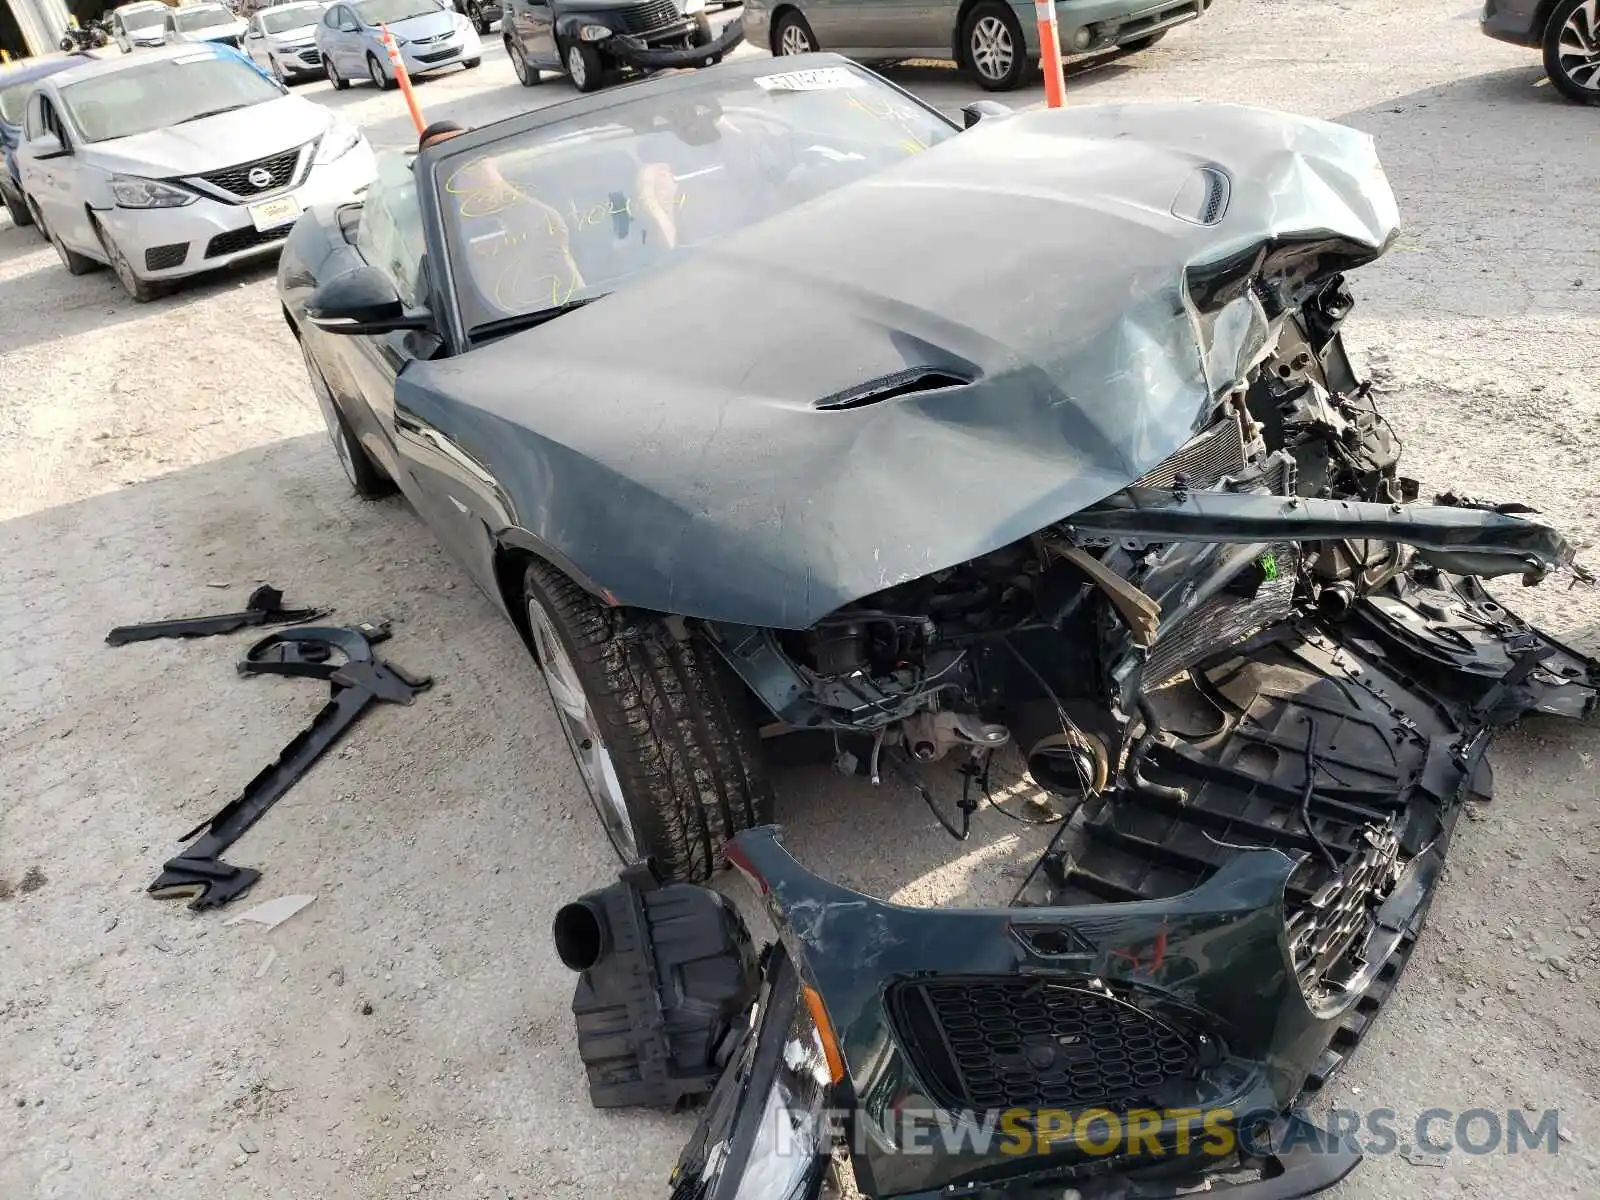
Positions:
(361, 301)
(984, 110)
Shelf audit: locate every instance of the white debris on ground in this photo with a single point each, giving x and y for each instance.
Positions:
(409, 1033)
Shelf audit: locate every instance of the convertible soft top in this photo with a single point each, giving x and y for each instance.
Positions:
(917, 368)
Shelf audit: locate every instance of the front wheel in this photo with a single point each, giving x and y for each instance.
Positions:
(1572, 50)
(332, 72)
(660, 729)
(376, 73)
(527, 75)
(471, 63)
(995, 52)
(475, 15)
(365, 476)
(142, 291)
(791, 34)
(584, 67)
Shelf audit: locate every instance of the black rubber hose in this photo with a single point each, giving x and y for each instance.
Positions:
(1141, 750)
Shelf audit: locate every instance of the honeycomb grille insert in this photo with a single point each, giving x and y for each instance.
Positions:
(999, 1043)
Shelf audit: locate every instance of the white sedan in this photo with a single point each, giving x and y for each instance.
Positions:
(181, 160)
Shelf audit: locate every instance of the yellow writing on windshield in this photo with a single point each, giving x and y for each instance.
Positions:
(897, 114)
(527, 287)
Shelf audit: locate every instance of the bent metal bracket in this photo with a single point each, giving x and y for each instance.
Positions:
(358, 682)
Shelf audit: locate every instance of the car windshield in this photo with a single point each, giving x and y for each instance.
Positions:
(143, 18)
(553, 214)
(278, 20)
(189, 19)
(387, 12)
(163, 92)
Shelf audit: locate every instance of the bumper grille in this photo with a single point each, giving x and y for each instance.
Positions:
(436, 56)
(645, 18)
(161, 258)
(273, 173)
(236, 240)
(311, 56)
(1002, 1042)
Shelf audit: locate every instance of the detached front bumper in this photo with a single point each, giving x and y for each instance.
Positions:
(1163, 1018)
(638, 52)
(172, 243)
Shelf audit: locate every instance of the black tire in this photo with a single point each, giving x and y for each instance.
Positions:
(332, 72)
(989, 32)
(677, 726)
(791, 34)
(20, 216)
(379, 77)
(1575, 70)
(472, 63)
(475, 15)
(584, 66)
(142, 291)
(366, 478)
(1143, 43)
(527, 74)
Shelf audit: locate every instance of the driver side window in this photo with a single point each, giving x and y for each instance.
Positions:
(390, 236)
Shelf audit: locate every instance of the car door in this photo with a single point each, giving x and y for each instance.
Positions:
(350, 60)
(903, 25)
(534, 21)
(55, 182)
(255, 44)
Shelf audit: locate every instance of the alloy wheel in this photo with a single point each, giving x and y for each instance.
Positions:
(582, 730)
(794, 41)
(1578, 47)
(379, 79)
(330, 417)
(327, 69)
(992, 49)
(518, 64)
(576, 70)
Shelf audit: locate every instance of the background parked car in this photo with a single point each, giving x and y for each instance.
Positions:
(482, 13)
(17, 80)
(143, 24)
(283, 40)
(205, 23)
(1568, 31)
(429, 34)
(177, 161)
(997, 41)
(577, 36)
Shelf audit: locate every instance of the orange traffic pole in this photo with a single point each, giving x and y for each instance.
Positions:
(1055, 72)
(403, 79)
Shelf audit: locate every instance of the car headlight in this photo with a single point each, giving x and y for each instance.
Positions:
(398, 40)
(130, 191)
(783, 1078)
(594, 33)
(337, 142)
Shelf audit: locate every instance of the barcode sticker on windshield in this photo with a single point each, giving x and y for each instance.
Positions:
(822, 79)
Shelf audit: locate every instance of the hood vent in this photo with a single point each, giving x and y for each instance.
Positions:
(892, 387)
(1203, 198)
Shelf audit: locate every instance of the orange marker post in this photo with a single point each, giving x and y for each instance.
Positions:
(1055, 77)
(403, 79)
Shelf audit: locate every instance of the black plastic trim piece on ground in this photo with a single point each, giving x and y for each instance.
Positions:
(265, 607)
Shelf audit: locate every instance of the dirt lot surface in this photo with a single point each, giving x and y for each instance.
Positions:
(409, 1033)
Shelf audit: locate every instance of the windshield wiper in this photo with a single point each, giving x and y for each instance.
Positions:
(212, 112)
(529, 320)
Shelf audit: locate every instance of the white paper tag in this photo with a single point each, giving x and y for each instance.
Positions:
(822, 79)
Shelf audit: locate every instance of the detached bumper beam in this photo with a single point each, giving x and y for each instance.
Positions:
(1466, 541)
(633, 52)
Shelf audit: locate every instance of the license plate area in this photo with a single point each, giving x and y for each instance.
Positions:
(270, 214)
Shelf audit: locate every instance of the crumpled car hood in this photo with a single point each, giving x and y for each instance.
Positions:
(1057, 260)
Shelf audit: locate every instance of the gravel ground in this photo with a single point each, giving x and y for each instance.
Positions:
(409, 1033)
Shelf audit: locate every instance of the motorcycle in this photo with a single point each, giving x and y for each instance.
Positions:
(86, 37)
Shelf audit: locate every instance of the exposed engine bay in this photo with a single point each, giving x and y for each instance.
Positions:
(1264, 643)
